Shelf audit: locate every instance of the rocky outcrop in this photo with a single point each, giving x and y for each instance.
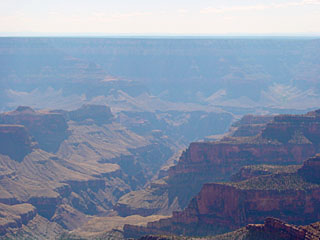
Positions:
(250, 125)
(45, 205)
(146, 202)
(68, 217)
(294, 128)
(227, 206)
(38, 228)
(46, 181)
(311, 169)
(100, 114)
(15, 141)
(288, 139)
(283, 140)
(142, 163)
(95, 165)
(225, 158)
(277, 229)
(14, 216)
(271, 229)
(48, 129)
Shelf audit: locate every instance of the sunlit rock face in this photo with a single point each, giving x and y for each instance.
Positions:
(14, 216)
(281, 140)
(221, 207)
(285, 140)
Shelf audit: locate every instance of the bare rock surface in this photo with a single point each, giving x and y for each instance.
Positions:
(221, 207)
(281, 140)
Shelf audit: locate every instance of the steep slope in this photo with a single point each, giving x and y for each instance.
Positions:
(15, 141)
(39, 228)
(139, 157)
(272, 229)
(44, 180)
(96, 162)
(184, 126)
(14, 216)
(286, 140)
(48, 129)
(221, 207)
(250, 125)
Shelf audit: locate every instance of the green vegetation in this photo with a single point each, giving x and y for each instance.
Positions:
(273, 169)
(275, 182)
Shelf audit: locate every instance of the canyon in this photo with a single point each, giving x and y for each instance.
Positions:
(271, 229)
(223, 207)
(106, 170)
(72, 165)
(108, 138)
(282, 140)
(238, 75)
(69, 166)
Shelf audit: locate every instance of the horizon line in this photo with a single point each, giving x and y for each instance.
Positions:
(171, 36)
(157, 35)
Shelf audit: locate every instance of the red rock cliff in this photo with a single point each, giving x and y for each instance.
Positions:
(225, 158)
(228, 206)
(288, 139)
(277, 229)
(283, 140)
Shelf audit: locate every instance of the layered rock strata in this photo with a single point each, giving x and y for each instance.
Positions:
(271, 229)
(283, 140)
(93, 165)
(277, 229)
(15, 216)
(48, 129)
(223, 207)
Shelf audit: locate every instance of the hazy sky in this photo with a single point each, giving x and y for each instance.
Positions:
(160, 17)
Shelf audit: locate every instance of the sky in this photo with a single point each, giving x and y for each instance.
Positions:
(164, 17)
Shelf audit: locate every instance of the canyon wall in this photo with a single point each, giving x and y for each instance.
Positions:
(48, 129)
(15, 216)
(283, 140)
(221, 207)
(15, 141)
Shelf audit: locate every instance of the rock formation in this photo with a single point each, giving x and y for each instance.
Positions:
(250, 125)
(277, 229)
(14, 216)
(15, 141)
(287, 139)
(223, 207)
(271, 229)
(284, 140)
(48, 129)
(100, 114)
(311, 169)
(95, 163)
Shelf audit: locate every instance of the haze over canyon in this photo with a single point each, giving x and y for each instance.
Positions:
(160, 138)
